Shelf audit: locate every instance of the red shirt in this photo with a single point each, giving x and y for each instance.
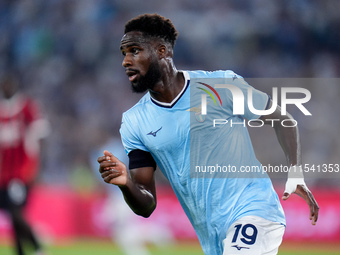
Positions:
(19, 150)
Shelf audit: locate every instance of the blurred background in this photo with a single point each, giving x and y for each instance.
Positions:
(66, 55)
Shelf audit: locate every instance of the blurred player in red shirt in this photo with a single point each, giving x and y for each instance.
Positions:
(21, 128)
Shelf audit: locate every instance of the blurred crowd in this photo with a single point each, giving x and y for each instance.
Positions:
(66, 54)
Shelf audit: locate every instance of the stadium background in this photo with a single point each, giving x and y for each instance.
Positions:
(67, 55)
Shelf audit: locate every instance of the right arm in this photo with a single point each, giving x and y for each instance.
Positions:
(138, 187)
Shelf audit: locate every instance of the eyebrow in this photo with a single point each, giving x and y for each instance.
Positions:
(128, 45)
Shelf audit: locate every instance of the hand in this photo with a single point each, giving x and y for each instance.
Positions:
(112, 170)
(302, 190)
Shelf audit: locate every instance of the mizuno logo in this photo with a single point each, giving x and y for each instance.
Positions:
(154, 133)
(239, 248)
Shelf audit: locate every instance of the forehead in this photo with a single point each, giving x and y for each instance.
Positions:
(133, 38)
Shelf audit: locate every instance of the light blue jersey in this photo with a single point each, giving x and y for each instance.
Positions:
(185, 145)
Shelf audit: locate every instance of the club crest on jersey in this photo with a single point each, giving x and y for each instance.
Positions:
(198, 113)
(199, 117)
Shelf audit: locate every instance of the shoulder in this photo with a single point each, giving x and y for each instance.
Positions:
(138, 108)
(31, 107)
(30, 102)
(18, 104)
(213, 74)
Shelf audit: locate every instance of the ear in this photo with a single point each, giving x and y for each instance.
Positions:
(162, 51)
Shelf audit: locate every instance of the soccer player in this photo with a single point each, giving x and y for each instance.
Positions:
(231, 213)
(21, 127)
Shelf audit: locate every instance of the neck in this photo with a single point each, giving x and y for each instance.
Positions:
(170, 85)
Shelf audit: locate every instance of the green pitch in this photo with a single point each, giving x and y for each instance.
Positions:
(90, 247)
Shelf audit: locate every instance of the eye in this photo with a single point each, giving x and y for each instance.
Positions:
(135, 51)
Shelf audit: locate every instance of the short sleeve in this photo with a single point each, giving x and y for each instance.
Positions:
(129, 134)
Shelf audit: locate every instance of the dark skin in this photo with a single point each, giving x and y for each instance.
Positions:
(8, 87)
(138, 187)
(288, 138)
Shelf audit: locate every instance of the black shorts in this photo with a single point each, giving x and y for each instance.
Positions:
(15, 195)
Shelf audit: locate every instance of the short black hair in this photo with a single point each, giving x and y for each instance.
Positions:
(153, 25)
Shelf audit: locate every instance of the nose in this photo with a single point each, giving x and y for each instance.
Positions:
(127, 61)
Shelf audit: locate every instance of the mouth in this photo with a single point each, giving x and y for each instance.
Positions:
(132, 74)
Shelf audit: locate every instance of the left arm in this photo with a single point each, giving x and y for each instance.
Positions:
(289, 140)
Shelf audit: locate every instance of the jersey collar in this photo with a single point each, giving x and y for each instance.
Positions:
(173, 102)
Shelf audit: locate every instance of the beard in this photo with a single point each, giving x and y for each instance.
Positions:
(149, 80)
